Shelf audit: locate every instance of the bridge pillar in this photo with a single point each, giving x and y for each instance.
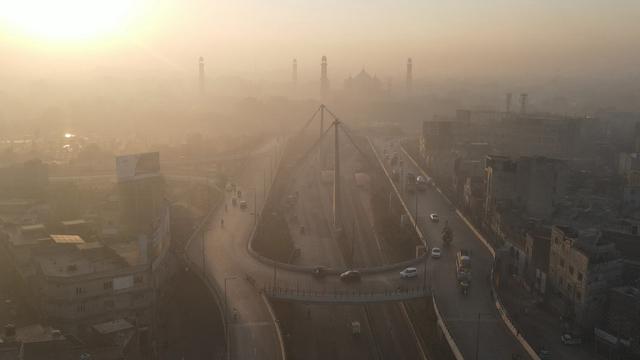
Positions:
(336, 182)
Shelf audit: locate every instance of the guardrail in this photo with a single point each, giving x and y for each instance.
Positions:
(356, 296)
(498, 303)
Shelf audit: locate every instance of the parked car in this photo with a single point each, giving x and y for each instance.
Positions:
(436, 253)
(408, 273)
(569, 339)
(350, 275)
(434, 217)
(243, 204)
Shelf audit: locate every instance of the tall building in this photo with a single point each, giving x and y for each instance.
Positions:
(141, 190)
(583, 266)
(294, 72)
(201, 74)
(409, 75)
(324, 80)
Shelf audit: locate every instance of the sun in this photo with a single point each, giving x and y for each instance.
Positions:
(65, 20)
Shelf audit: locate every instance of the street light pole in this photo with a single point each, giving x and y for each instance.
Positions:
(477, 335)
(204, 256)
(416, 217)
(255, 207)
(226, 316)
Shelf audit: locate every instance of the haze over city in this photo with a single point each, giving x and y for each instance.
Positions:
(283, 179)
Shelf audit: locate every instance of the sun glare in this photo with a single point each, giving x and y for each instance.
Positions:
(65, 20)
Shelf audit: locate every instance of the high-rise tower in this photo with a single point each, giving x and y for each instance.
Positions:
(294, 72)
(409, 75)
(201, 74)
(324, 80)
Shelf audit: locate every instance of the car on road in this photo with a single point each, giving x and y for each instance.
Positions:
(243, 204)
(350, 275)
(434, 217)
(436, 253)
(409, 273)
(569, 339)
(355, 328)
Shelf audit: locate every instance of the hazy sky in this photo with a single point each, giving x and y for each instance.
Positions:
(260, 37)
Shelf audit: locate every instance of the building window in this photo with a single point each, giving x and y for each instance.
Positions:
(108, 285)
(80, 308)
(570, 269)
(79, 291)
(562, 263)
(578, 296)
(579, 276)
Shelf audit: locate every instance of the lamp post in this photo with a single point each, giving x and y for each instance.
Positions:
(226, 316)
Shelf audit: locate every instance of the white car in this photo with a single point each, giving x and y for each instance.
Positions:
(243, 204)
(409, 272)
(434, 217)
(436, 253)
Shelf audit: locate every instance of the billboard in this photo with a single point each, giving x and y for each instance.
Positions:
(130, 167)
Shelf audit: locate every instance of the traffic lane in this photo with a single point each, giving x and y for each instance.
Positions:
(457, 307)
(325, 332)
(221, 245)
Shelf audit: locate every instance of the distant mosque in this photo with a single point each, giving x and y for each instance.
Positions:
(363, 84)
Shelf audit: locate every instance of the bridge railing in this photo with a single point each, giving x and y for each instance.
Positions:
(346, 295)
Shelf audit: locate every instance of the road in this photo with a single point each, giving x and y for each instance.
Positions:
(253, 335)
(473, 319)
(386, 333)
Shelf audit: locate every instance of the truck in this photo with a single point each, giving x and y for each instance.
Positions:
(410, 182)
(463, 266)
(447, 234)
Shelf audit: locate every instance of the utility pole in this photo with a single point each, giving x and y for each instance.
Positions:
(336, 180)
(226, 315)
(415, 195)
(321, 119)
(204, 269)
(275, 264)
(477, 335)
(255, 207)
(264, 185)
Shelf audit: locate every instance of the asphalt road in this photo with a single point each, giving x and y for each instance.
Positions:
(252, 334)
(326, 333)
(473, 319)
